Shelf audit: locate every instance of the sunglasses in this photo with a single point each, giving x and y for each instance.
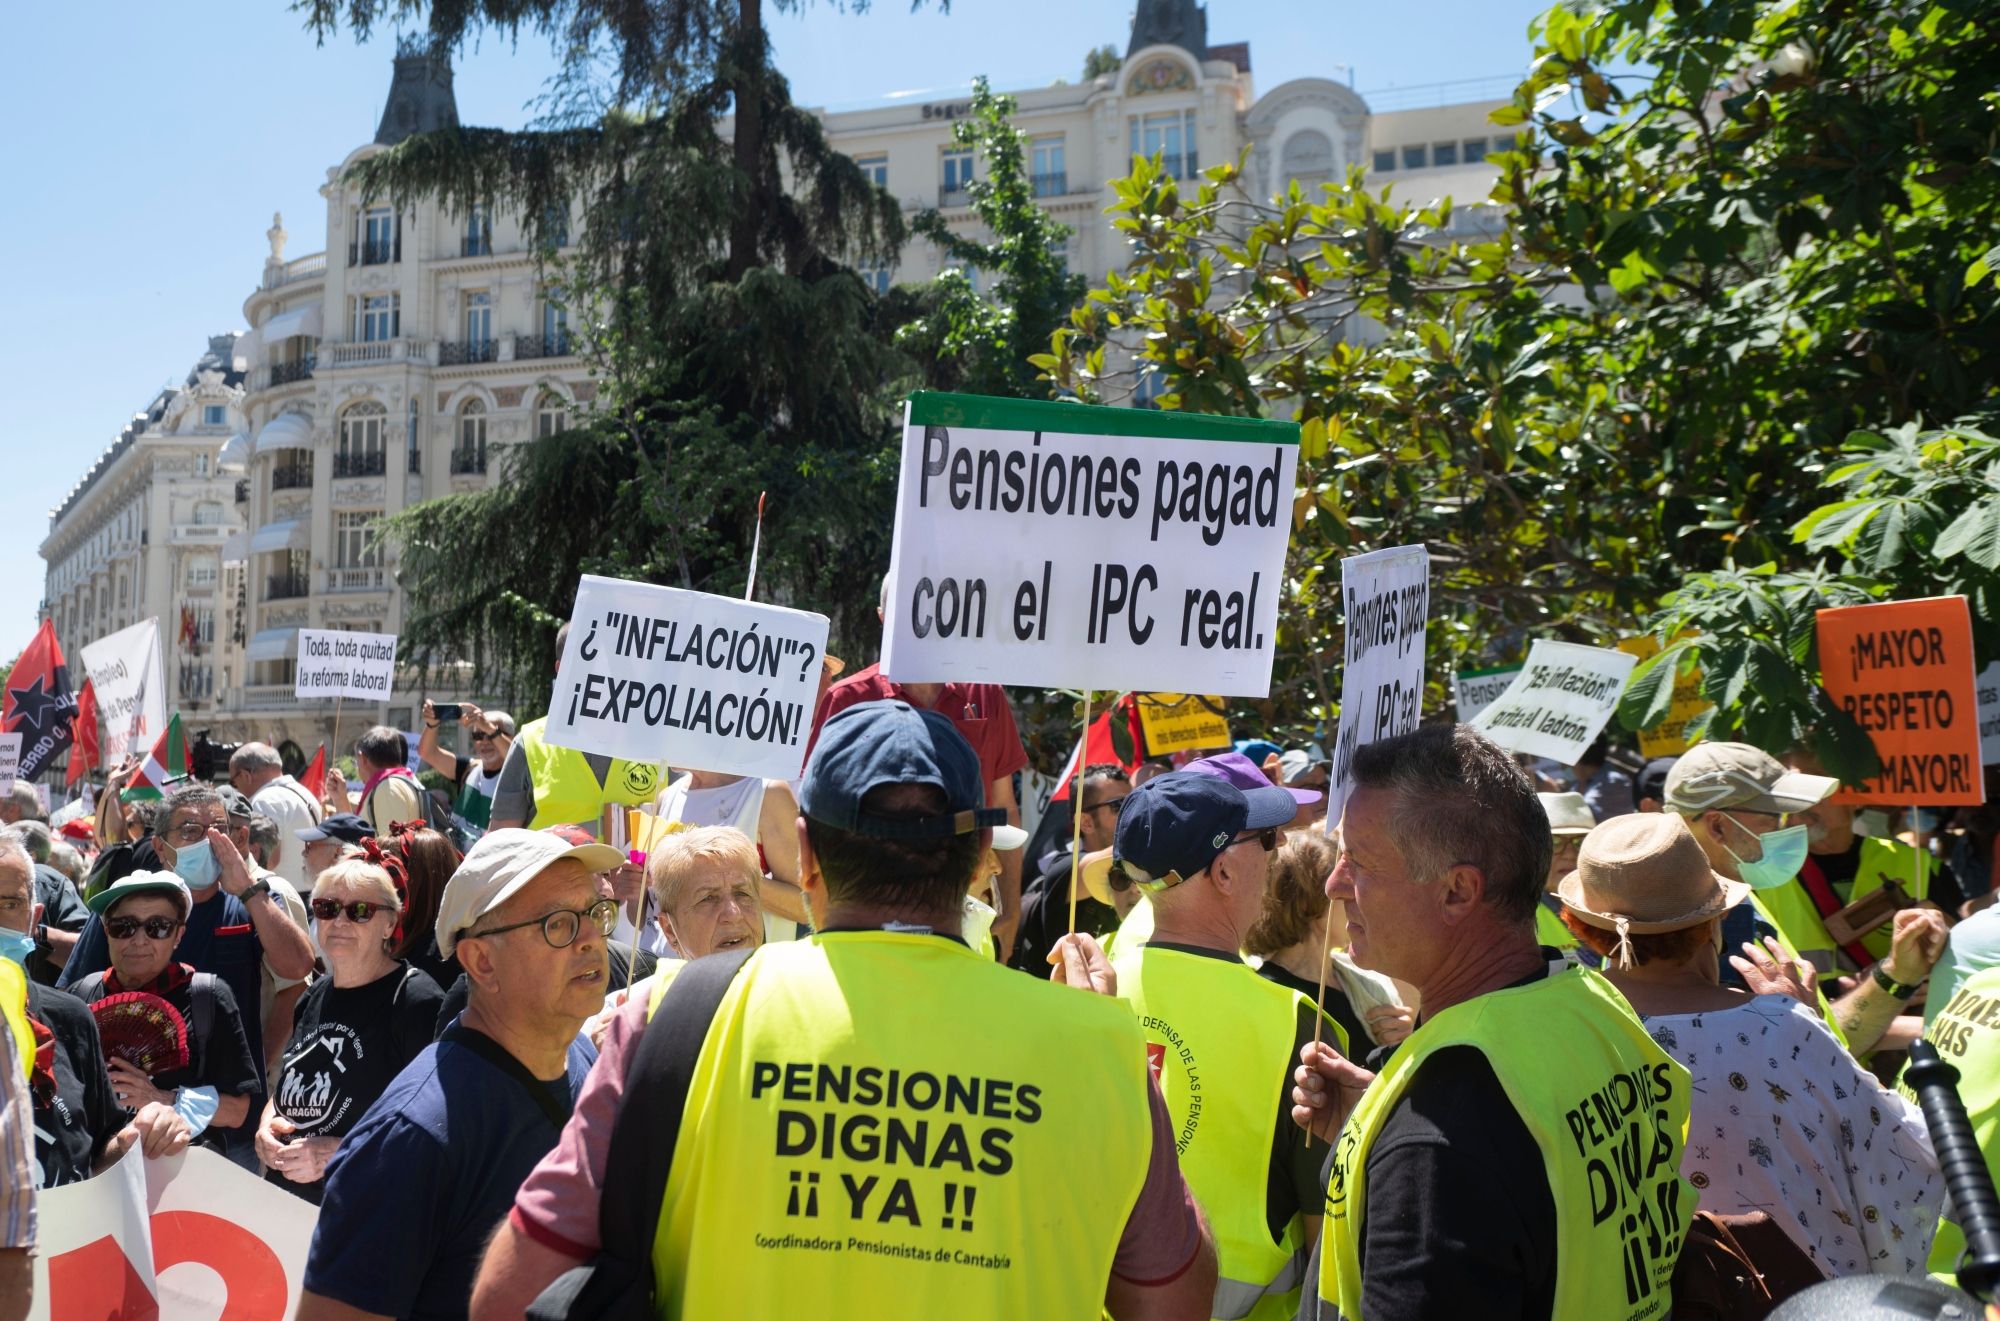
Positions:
(1268, 838)
(486, 737)
(357, 912)
(156, 928)
(1111, 803)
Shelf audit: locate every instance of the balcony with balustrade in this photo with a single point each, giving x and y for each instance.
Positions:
(368, 352)
(559, 345)
(1054, 184)
(364, 463)
(287, 586)
(289, 373)
(459, 353)
(357, 578)
(293, 474)
(291, 272)
(375, 252)
(468, 459)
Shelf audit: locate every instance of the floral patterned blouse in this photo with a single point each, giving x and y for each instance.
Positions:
(1784, 1121)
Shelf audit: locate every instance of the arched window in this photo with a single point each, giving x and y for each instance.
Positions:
(361, 452)
(468, 455)
(551, 414)
(1307, 156)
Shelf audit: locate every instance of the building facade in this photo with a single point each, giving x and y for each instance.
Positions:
(143, 535)
(393, 367)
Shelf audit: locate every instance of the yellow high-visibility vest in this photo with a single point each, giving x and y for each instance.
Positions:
(566, 789)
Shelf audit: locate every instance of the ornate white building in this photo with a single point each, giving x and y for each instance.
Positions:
(392, 368)
(142, 535)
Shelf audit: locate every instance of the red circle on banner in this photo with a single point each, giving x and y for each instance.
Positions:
(251, 1272)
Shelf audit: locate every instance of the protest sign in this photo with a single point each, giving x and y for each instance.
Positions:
(705, 682)
(125, 675)
(182, 1238)
(1181, 722)
(1472, 691)
(335, 663)
(1669, 737)
(1559, 702)
(1066, 546)
(1988, 685)
(10, 761)
(1904, 671)
(1386, 595)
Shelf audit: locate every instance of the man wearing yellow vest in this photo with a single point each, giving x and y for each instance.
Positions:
(1842, 866)
(1741, 802)
(542, 785)
(1518, 1156)
(1221, 1040)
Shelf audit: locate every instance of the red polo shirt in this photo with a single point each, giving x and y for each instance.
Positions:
(979, 711)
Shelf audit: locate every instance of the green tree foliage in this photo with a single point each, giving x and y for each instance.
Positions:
(1626, 372)
(1100, 61)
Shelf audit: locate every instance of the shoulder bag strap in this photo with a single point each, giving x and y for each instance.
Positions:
(201, 1001)
(494, 1053)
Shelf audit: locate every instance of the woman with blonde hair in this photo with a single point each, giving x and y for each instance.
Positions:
(354, 1029)
(1291, 937)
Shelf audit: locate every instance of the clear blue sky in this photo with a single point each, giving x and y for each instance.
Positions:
(152, 142)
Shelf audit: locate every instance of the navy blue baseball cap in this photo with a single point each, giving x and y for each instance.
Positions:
(1173, 826)
(871, 744)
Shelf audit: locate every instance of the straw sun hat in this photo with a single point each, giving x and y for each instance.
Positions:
(1643, 874)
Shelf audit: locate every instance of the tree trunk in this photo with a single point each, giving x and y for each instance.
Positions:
(747, 91)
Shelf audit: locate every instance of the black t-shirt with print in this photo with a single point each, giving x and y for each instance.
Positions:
(75, 1120)
(347, 1045)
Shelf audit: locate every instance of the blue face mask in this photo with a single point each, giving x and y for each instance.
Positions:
(1784, 853)
(196, 864)
(16, 945)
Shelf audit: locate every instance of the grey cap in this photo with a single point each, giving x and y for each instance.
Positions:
(1714, 777)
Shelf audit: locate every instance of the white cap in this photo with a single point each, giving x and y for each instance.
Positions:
(1008, 838)
(500, 865)
(1568, 813)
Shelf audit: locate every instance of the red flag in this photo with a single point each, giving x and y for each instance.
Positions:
(85, 751)
(40, 706)
(1101, 745)
(314, 778)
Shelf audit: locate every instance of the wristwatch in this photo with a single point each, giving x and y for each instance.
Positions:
(1901, 990)
(262, 887)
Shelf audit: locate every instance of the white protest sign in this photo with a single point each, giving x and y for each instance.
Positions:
(692, 680)
(1559, 702)
(185, 1238)
(334, 663)
(125, 675)
(10, 760)
(1061, 545)
(1472, 691)
(1386, 595)
(1987, 685)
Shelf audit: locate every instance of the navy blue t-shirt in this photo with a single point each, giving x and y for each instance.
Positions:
(219, 939)
(420, 1184)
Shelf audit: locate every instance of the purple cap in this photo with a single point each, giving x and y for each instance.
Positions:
(1239, 770)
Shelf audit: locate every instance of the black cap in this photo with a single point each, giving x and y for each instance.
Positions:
(871, 744)
(1173, 826)
(343, 826)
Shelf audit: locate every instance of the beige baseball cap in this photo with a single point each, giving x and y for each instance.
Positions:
(500, 865)
(1712, 777)
(1568, 814)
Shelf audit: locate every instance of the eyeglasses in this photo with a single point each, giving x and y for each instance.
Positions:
(156, 928)
(562, 927)
(1268, 838)
(1112, 803)
(191, 832)
(359, 911)
(487, 737)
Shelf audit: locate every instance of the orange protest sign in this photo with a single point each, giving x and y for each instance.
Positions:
(1904, 671)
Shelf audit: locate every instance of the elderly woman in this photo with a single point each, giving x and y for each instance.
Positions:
(144, 915)
(1784, 1121)
(354, 1031)
(1291, 937)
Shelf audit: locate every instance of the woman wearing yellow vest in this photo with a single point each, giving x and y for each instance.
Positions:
(1519, 1155)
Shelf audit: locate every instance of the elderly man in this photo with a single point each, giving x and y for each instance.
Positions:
(1221, 1039)
(473, 779)
(322, 843)
(1519, 1154)
(63, 914)
(80, 1129)
(21, 803)
(258, 773)
(417, 1189)
(1739, 801)
(1052, 1131)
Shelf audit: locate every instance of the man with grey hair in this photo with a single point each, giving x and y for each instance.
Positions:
(1460, 1162)
(474, 778)
(63, 913)
(22, 803)
(258, 773)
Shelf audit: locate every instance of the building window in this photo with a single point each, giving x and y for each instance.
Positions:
(1146, 391)
(1414, 157)
(1444, 153)
(379, 234)
(478, 240)
(555, 225)
(208, 513)
(1047, 172)
(956, 178)
(551, 414)
(214, 415)
(478, 317)
(201, 572)
(469, 454)
(555, 326)
(876, 168)
(377, 317)
(1473, 150)
(354, 545)
(1170, 136)
(361, 452)
(414, 441)
(875, 277)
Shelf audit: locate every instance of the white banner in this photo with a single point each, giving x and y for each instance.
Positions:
(334, 663)
(1386, 596)
(188, 1238)
(1987, 684)
(10, 761)
(687, 679)
(125, 673)
(1472, 691)
(1064, 546)
(1559, 702)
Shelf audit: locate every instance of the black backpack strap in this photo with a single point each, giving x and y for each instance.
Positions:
(494, 1053)
(89, 989)
(649, 1114)
(201, 1003)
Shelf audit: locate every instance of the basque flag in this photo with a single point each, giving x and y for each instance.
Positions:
(40, 706)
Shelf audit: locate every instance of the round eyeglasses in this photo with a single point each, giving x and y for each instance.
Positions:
(561, 928)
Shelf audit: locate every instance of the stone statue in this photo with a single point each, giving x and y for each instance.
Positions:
(276, 233)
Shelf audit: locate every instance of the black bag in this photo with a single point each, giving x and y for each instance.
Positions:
(617, 1284)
